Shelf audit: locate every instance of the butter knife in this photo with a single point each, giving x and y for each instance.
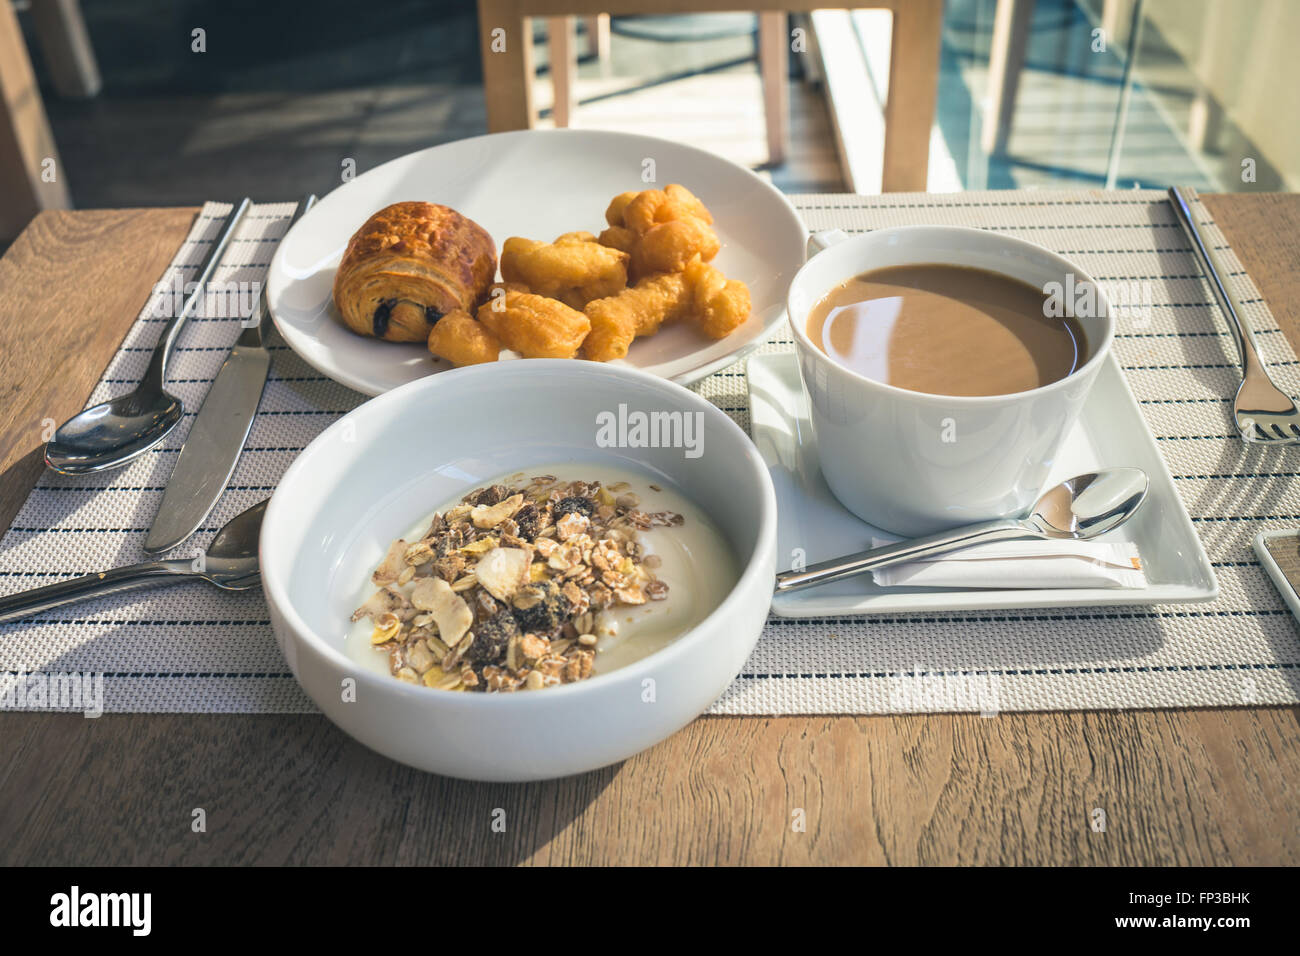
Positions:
(217, 437)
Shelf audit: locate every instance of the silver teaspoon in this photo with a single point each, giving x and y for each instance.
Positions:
(118, 431)
(230, 563)
(1081, 508)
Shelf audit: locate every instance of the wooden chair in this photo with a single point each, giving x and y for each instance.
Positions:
(773, 56)
(504, 32)
(32, 177)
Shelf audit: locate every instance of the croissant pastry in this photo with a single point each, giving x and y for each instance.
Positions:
(410, 264)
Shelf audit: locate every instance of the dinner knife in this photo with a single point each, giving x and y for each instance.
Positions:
(217, 437)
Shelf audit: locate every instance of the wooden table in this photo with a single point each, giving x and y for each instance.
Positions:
(1177, 787)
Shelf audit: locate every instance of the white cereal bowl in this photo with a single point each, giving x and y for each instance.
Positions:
(386, 465)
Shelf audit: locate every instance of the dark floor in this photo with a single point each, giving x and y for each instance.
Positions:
(284, 93)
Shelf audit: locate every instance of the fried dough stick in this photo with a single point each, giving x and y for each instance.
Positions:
(653, 206)
(618, 237)
(618, 206)
(534, 325)
(718, 305)
(573, 269)
(640, 310)
(668, 246)
(461, 340)
(661, 229)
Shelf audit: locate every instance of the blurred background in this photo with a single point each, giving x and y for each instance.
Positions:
(161, 102)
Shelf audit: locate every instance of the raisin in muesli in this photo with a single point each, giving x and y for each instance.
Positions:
(491, 637)
(541, 608)
(573, 503)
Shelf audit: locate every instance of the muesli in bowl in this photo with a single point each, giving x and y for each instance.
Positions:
(532, 582)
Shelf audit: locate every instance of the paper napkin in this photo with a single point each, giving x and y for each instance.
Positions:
(1022, 564)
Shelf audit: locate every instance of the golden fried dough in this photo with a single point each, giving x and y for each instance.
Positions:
(614, 212)
(686, 203)
(574, 272)
(653, 206)
(535, 326)
(618, 237)
(461, 340)
(498, 289)
(496, 297)
(642, 212)
(640, 310)
(571, 237)
(668, 246)
(719, 305)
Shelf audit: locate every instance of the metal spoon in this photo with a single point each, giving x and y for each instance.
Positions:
(230, 563)
(1081, 508)
(120, 430)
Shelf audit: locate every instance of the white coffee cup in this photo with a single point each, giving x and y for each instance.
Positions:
(914, 463)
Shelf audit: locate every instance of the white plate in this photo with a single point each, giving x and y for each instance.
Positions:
(539, 184)
(1110, 432)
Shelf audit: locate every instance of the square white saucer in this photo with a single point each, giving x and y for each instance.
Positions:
(813, 525)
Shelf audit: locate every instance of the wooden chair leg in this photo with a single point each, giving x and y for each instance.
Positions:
(773, 63)
(561, 34)
(32, 177)
(1006, 60)
(913, 84)
(507, 47)
(598, 35)
(67, 48)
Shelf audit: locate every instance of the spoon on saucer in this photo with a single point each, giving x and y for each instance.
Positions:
(230, 563)
(118, 431)
(1078, 509)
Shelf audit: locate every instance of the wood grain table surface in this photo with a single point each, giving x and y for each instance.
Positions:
(1211, 786)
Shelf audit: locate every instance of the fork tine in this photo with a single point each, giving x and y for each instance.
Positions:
(1277, 429)
(1295, 430)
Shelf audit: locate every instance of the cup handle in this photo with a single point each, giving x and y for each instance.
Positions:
(824, 239)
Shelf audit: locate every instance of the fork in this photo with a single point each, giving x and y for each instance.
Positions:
(1262, 412)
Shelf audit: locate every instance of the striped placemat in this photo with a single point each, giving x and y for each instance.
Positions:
(193, 648)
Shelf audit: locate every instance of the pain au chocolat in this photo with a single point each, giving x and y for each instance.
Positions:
(409, 265)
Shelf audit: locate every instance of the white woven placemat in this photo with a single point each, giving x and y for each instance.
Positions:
(193, 648)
